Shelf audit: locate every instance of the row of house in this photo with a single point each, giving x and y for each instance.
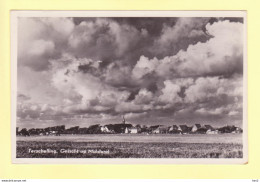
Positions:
(129, 128)
(182, 129)
(55, 130)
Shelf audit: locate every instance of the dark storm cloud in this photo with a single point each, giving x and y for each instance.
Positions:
(153, 25)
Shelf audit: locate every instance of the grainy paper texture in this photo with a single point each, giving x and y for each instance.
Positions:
(109, 86)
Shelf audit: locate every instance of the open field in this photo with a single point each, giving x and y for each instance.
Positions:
(126, 150)
(131, 146)
(165, 138)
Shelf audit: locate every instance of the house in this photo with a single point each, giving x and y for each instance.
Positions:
(238, 130)
(206, 129)
(184, 129)
(163, 129)
(209, 127)
(144, 129)
(235, 130)
(195, 127)
(107, 128)
(104, 129)
(151, 129)
(132, 130)
(212, 132)
(120, 128)
(174, 129)
(53, 133)
(127, 130)
(155, 129)
(160, 129)
(202, 130)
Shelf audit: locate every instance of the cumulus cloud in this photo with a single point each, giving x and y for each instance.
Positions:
(232, 113)
(117, 75)
(220, 55)
(186, 31)
(86, 90)
(105, 39)
(134, 115)
(144, 97)
(44, 41)
(211, 111)
(170, 93)
(32, 111)
(40, 47)
(185, 67)
(205, 88)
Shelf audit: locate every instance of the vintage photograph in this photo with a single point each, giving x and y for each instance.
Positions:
(119, 86)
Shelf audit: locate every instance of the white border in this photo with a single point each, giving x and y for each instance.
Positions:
(16, 14)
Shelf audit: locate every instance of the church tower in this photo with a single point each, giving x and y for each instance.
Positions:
(123, 120)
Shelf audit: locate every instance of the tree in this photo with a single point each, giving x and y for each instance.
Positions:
(24, 132)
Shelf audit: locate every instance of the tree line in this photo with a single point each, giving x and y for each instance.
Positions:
(128, 128)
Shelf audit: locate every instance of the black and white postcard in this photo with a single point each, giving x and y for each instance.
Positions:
(129, 87)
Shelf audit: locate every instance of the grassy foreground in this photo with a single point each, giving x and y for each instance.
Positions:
(65, 149)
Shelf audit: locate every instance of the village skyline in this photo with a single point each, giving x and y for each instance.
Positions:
(125, 121)
(129, 129)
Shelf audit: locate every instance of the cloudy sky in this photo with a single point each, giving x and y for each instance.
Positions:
(83, 71)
